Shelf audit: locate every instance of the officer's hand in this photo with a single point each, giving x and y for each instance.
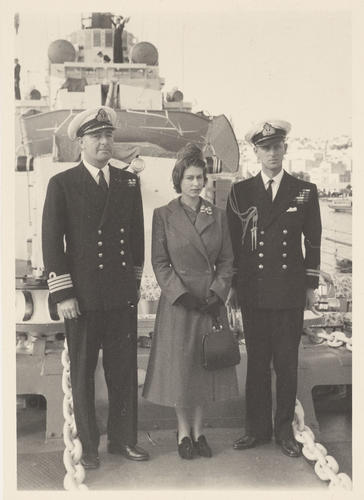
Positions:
(311, 300)
(69, 308)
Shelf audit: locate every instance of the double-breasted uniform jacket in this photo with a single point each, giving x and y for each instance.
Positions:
(93, 249)
(271, 270)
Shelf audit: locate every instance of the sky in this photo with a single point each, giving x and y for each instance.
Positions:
(234, 58)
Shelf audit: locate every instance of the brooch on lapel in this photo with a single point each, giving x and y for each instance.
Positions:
(302, 196)
(205, 210)
(132, 182)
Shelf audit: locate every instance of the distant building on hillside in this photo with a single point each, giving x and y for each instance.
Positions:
(331, 176)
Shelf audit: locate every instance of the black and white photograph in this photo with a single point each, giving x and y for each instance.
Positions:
(178, 208)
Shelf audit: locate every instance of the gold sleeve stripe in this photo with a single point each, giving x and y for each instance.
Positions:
(312, 272)
(60, 282)
(60, 287)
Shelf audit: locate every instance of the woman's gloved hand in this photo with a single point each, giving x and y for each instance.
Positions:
(211, 305)
(189, 301)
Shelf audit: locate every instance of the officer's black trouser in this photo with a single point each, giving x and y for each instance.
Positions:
(115, 332)
(271, 335)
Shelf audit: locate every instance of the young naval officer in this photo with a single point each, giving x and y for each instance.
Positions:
(93, 251)
(274, 281)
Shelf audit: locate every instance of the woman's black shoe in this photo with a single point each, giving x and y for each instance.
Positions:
(185, 448)
(202, 447)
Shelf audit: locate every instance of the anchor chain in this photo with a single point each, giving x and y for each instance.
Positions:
(75, 472)
(325, 466)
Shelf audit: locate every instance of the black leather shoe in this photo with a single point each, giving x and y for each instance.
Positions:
(290, 447)
(185, 448)
(246, 442)
(130, 452)
(90, 461)
(202, 448)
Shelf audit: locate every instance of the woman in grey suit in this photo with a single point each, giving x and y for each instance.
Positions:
(192, 260)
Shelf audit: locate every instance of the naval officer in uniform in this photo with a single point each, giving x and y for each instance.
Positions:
(93, 251)
(275, 280)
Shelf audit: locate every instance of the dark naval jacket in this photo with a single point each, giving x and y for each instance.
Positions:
(93, 242)
(271, 269)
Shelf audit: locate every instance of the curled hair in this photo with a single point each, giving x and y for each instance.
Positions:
(190, 155)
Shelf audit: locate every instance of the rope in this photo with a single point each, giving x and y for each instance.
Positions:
(336, 231)
(337, 339)
(338, 241)
(325, 466)
(75, 472)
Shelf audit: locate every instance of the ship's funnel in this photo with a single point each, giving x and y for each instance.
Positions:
(61, 51)
(144, 53)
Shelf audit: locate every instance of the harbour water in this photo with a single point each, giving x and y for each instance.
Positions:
(336, 237)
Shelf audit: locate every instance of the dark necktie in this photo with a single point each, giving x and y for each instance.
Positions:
(269, 190)
(102, 183)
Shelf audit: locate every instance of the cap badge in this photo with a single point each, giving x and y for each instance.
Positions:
(268, 129)
(102, 116)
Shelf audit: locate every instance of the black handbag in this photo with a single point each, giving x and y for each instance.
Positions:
(220, 347)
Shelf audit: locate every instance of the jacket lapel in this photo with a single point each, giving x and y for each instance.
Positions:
(118, 196)
(204, 220)
(90, 191)
(287, 190)
(179, 220)
(111, 194)
(260, 200)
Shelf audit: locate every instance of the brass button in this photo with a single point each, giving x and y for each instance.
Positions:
(284, 231)
(122, 252)
(99, 231)
(122, 230)
(123, 263)
(122, 242)
(260, 266)
(284, 266)
(261, 243)
(99, 243)
(284, 243)
(100, 254)
(101, 266)
(261, 255)
(284, 255)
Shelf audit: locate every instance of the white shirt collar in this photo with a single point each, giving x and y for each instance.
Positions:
(277, 179)
(94, 171)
